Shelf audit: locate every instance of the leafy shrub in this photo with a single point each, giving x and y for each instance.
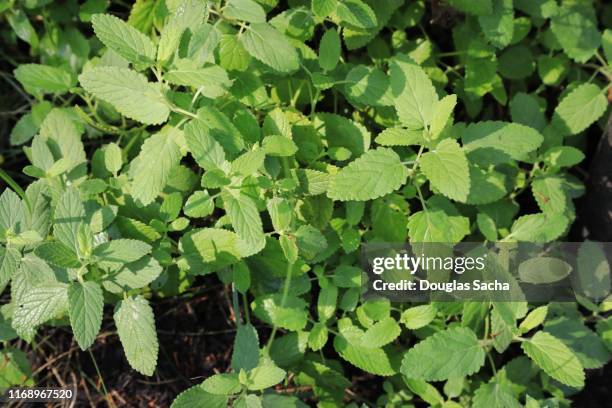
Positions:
(265, 143)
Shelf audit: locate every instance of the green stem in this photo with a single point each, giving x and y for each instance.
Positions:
(283, 300)
(184, 112)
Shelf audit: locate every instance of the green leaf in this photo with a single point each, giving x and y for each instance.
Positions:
(209, 249)
(249, 162)
(575, 28)
(526, 110)
(37, 306)
(129, 92)
(12, 213)
(121, 251)
(125, 40)
(85, 309)
(437, 226)
(426, 391)
(588, 347)
(414, 95)
(450, 353)
(446, 167)
(495, 394)
(211, 81)
(374, 174)
(292, 315)
(418, 316)
(381, 333)
(58, 254)
(323, 8)
(372, 360)
(9, 262)
(245, 355)
(69, 214)
(498, 27)
(245, 10)
(206, 151)
(326, 302)
(245, 218)
(579, 109)
(355, 13)
(199, 204)
(233, 55)
(189, 14)
(441, 115)
(112, 158)
(504, 140)
(151, 169)
(193, 397)
(367, 86)
(280, 146)
(269, 46)
(329, 50)
(37, 78)
(549, 193)
(136, 328)
(265, 376)
(563, 156)
(538, 227)
(476, 7)
(593, 278)
(543, 269)
(533, 319)
(555, 358)
(222, 384)
(134, 275)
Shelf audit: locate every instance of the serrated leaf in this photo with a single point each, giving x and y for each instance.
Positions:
(441, 115)
(206, 151)
(372, 360)
(355, 13)
(136, 328)
(269, 46)
(555, 358)
(58, 254)
(538, 227)
(245, 355)
(450, 353)
(37, 78)
(447, 169)
(381, 333)
(245, 218)
(85, 307)
(125, 40)
(245, 10)
(12, 213)
(189, 14)
(121, 251)
(9, 262)
(69, 214)
(437, 226)
(579, 109)
(129, 92)
(151, 169)
(414, 95)
(575, 27)
(38, 305)
(212, 81)
(193, 397)
(418, 316)
(374, 174)
(495, 394)
(512, 140)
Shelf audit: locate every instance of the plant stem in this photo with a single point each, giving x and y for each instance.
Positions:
(283, 300)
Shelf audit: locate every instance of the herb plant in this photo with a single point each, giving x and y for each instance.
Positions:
(264, 143)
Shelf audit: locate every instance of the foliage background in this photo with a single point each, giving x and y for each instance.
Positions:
(323, 78)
